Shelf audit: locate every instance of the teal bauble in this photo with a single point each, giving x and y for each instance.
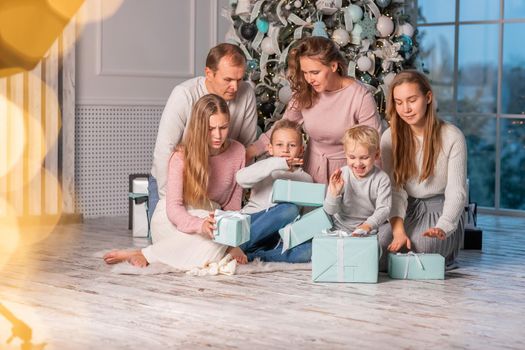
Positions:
(406, 43)
(383, 3)
(262, 25)
(319, 29)
(252, 65)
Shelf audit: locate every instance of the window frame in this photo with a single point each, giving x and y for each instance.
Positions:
(499, 116)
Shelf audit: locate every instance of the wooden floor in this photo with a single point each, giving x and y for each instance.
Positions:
(72, 301)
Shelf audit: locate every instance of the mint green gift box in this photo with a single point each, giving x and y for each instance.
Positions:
(305, 228)
(338, 258)
(414, 266)
(301, 193)
(232, 228)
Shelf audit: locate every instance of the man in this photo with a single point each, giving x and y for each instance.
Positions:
(225, 67)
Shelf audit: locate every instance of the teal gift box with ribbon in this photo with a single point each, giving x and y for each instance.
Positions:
(414, 266)
(339, 257)
(305, 228)
(232, 228)
(301, 193)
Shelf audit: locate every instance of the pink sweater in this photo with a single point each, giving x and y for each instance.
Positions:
(325, 124)
(222, 187)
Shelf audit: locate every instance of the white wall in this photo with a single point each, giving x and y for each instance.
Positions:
(126, 67)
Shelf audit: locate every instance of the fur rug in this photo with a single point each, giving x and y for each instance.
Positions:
(253, 267)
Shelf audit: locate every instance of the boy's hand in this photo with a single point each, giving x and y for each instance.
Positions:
(208, 226)
(435, 232)
(336, 183)
(294, 162)
(364, 227)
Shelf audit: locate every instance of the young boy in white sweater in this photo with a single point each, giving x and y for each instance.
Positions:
(359, 195)
(286, 151)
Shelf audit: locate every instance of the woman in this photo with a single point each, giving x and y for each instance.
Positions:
(326, 101)
(426, 160)
(201, 178)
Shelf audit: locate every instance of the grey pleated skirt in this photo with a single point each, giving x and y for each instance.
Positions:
(423, 214)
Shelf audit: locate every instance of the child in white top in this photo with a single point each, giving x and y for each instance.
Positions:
(286, 150)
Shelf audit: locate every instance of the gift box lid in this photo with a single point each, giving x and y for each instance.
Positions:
(298, 192)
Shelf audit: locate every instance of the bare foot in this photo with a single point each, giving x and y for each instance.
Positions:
(238, 255)
(134, 257)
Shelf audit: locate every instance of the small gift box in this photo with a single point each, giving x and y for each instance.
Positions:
(301, 193)
(138, 206)
(232, 228)
(414, 266)
(305, 228)
(338, 257)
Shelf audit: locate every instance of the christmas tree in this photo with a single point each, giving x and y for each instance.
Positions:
(375, 37)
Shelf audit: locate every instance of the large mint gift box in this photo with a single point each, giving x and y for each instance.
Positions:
(305, 228)
(414, 266)
(301, 193)
(339, 258)
(233, 228)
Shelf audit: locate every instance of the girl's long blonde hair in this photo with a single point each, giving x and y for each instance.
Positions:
(195, 150)
(403, 141)
(314, 47)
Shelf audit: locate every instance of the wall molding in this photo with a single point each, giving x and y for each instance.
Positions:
(121, 101)
(100, 70)
(214, 22)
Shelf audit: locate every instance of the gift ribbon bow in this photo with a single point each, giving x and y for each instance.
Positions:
(409, 255)
(220, 215)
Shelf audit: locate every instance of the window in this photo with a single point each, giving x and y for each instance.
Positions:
(473, 52)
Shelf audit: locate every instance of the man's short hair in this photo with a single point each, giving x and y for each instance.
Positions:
(233, 52)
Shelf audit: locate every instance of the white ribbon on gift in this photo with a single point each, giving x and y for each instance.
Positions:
(340, 234)
(288, 233)
(220, 215)
(409, 255)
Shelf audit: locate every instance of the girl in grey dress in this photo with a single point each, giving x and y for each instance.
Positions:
(426, 160)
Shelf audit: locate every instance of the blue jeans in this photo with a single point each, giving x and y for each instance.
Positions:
(153, 196)
(298, 254)
(266, 224)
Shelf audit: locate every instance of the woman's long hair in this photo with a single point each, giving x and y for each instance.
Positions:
(196, 151)
(403, 141)
(315, 47)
